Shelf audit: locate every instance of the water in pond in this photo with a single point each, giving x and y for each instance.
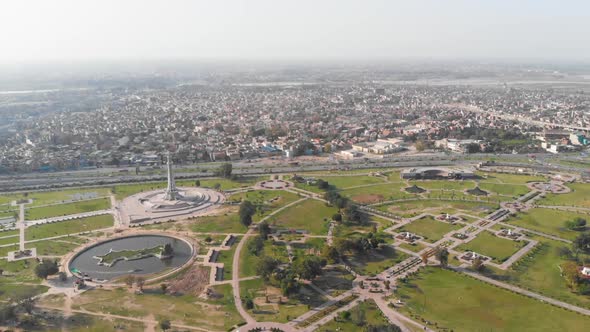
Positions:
(86, 264)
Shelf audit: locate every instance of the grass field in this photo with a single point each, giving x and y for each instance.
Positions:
(504, 189)
(343, 182)
(372, 316)
(579, 196)
(519, 179)
(460, 303)
(69, 227)
(52, 247)
(187, 309)
(407, 209)
(376, 261)
(51, 197)
(444, 185)
(379, 192)
(432, 230)
(223, 223)
(311, 215)
(488, 244)
(266, 201)
(227, 257)
(290, 308)
(548, 221)
(66, 209)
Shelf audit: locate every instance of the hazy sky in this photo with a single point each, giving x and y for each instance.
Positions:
(294, 29)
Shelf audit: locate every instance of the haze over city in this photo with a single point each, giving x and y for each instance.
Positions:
(293, 30)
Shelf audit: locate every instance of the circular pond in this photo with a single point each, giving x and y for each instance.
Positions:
(132, 258)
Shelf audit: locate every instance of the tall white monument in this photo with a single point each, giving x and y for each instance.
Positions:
(171, 193)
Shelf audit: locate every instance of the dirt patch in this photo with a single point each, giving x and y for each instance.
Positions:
(193, 281)
(368, 198)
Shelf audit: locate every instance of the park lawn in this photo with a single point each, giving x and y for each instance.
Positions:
(225, 184)
(225, 223)
(504, 189)
(15, 291)
(19, 271)
(248, 261)
(519, 179)
(52, 247)
(57, 196)
(432, 230)
(415, 247)
(8, 214)
(289, 308)
(548, 221)
(377, 193)
(227, 257)
(343, 182)
(375, 261)
(458, 302)
(87, 323)
(408, 209)
(67, 209)
(9, 240)
(371, 313)
(266, 201)
(5, 250)
(309, 187)
(310, 215)
(540, 273)
(187, 309)
(335, 280)
(579, 196)
(457, 185)
(311, 246)
(69, 227)
(488, 244)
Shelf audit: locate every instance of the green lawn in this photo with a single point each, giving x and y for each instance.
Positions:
(488, 244)
(376, 261)
(413, 208)
(432, 230)
(579, 196)
(290, 308)
(266, 201)
(460, 303)
(342, 182)
(520, 179)
(19, 271)
(380, 192)
(52, 247)
(548, 221)
(67, 209)
(17, 291)
(311, 215)
(416, 247)
(51, 197)
(225, 223)
(227, 257)
(371, 313)
(69, 227)
(9, 240)
(444, 184)
(504, 189)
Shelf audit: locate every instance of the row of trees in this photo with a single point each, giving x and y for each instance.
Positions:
(574, 257)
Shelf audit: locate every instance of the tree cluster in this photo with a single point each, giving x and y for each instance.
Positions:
(46, 268)
(224, 170)
(247, 210)
(576, 224)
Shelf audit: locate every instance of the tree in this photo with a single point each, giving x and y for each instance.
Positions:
(352, 213)
(576, 224)
(165, 324)
(46, 268)
(420, 145)
(472, 148)
(197, 183)
(267, 266)
(324, 185)
(163, 287)
(129, 280)
(264, 229)
(248, 303)
(225, 170)
(337, 217)
(308, 267)
(582, 243)
(569, 270)
(217, 186)
(331, 254)
(140, 281)
(443, 256)
(256, 246)
(477, 264)
(247, 210)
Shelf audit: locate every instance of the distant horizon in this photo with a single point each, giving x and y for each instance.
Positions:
(304, 30)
